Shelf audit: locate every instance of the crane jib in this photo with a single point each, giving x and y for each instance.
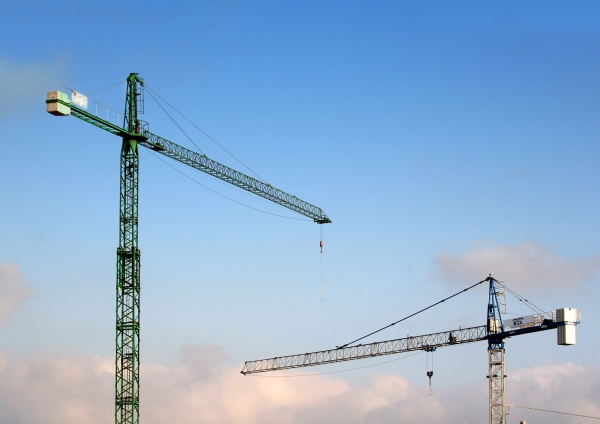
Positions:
(222, 172)
(203, 163)
(133, 133)
(412, 343)
(370, 350)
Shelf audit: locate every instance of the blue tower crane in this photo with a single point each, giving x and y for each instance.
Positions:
(496, 331)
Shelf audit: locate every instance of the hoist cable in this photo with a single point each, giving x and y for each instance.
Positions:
(321, 276)
(209, 137)
(222, 195)
(412, 315)
(164, 110)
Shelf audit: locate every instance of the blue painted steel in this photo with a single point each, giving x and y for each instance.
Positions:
(495, 323)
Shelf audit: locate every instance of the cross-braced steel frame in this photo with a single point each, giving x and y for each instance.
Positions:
(370, 350)
(128, 272)
(135, 134)
(496, 384)
(495, 356)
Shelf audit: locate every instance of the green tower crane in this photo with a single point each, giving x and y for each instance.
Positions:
(134, 133)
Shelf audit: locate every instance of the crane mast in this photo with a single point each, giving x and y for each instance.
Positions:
(497, 409)
(127, 382)
(135, 133)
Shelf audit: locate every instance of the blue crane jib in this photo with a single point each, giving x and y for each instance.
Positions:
(562, 319)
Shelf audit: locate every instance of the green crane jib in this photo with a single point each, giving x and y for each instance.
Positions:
(135, 133)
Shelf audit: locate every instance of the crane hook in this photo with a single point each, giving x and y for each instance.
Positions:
(430, 374)
(429, 350)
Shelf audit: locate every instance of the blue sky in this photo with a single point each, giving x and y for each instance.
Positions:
(444, 139)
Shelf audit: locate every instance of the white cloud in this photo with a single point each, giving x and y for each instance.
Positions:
(201, 388)
(525, 265)
(55, 389)
(25, 85)
(564, 388)
(14, 291)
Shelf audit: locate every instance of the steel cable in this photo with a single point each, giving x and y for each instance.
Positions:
(175, 122)
(412, 315)
(222, 195)
(527, 303)
(104, 88)
(554, 412)
(209, 137)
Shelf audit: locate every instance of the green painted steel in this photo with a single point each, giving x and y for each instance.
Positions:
(127, 363)
(134, 133)
(222, 172)
(208, 166)
(99, 122)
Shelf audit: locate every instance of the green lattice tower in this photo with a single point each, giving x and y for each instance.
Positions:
(128, 269)
(134, 134)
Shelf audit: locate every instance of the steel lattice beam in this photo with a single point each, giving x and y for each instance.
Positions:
(204, 164)
(496, 386)
(496, 331)
(390, 347)
(236, 178)
(133, 135)
(127, 361)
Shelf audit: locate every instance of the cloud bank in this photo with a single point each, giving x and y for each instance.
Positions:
(202, 389)
(542, 385)
(14, 291)
(526, 265)
(25, 85)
